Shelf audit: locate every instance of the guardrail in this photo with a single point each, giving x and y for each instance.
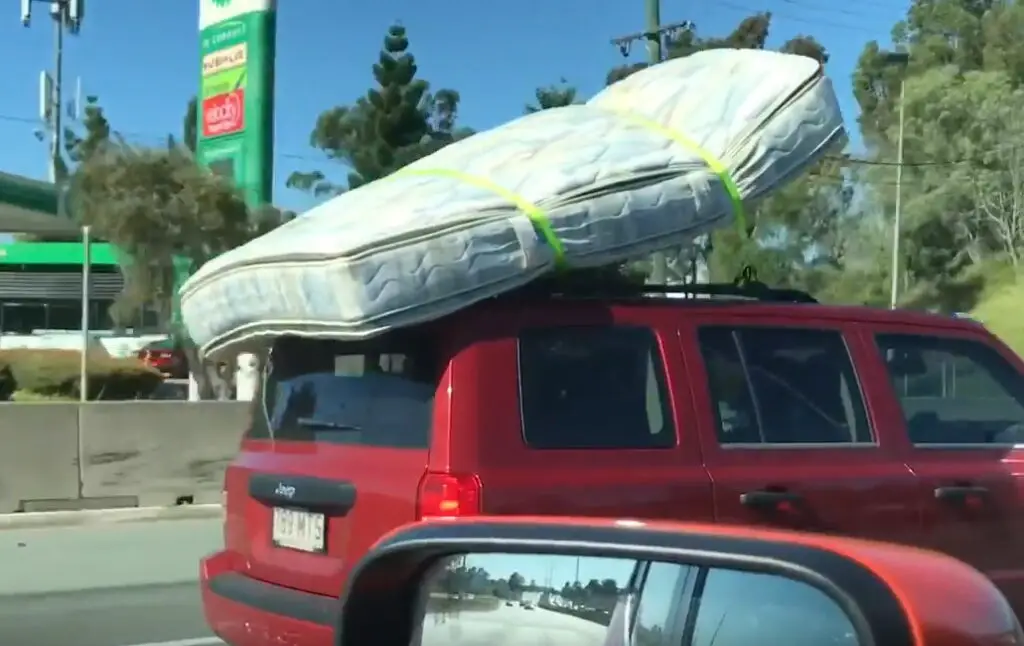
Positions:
(115, 454)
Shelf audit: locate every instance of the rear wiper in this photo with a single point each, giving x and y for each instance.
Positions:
(308, 422)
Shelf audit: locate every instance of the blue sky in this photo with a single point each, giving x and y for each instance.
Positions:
(141, 58)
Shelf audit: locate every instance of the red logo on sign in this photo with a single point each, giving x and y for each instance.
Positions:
(224, 114)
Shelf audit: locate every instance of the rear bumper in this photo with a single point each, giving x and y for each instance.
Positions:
(246, 612)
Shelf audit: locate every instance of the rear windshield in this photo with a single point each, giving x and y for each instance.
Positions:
(376, 393)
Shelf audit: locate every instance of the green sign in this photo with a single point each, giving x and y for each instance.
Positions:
(236, 93)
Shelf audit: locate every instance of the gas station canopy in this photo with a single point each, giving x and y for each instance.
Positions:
(30, 206)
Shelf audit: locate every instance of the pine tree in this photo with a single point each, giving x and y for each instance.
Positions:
(397, 122)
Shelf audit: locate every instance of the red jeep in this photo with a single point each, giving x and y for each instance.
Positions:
(752, 406)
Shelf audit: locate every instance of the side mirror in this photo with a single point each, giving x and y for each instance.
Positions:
(526, 581)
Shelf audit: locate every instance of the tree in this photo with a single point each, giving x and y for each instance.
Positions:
(790, 232)
(751, 33)
(190, 125)
(959, 195)
(80, 143)
(553, 96)
(96, 133)
(159, 208)
(394, 124)
(516, 584)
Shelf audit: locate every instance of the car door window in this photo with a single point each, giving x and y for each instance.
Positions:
(600, 387)
(954, 391)
(783, 386)
(736, 608)
(659, 606)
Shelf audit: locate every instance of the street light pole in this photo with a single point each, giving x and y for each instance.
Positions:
(897, 217)
(901, 60)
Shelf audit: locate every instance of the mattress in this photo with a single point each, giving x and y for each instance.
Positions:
(650, 162)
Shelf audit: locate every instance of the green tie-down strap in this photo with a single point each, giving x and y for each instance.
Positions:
(540, 219)
(716, 166)
(531, 210)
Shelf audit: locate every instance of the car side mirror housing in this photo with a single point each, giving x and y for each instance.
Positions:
(520, 581)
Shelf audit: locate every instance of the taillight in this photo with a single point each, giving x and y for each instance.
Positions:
(448, 495)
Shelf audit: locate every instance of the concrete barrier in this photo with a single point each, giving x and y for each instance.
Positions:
(162, 453)
(134, 454)
(151, 453)
(38, 454)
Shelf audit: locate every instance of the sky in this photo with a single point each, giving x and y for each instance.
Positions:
(141, 59)
(554, 570)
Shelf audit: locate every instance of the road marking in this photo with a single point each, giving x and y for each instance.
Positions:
(197, 641)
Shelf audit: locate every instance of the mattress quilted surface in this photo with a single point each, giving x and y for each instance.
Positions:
(648, 163)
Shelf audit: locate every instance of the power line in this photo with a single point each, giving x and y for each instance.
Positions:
(814, 23)
(857, 161)
(151, 137)
(808, 5)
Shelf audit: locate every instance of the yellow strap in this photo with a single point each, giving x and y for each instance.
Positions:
(717, 167)
(540, 219)
(531, 210)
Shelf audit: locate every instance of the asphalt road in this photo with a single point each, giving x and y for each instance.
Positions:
(105, 584)
(511, 626)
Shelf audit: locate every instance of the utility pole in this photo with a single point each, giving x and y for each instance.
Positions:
(66, 14)
(652, 36)
(58, 103)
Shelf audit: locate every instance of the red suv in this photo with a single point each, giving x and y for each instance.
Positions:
(755, 406)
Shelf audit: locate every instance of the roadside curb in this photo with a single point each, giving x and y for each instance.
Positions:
(107, 516)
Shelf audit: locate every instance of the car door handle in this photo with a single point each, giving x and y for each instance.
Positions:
(765, 499)
(959, 493)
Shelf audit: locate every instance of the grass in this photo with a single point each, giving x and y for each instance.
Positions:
(23, 396)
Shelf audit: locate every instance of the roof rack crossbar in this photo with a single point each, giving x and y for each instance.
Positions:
(752, 290)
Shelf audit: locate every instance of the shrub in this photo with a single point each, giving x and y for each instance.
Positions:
(55, 373)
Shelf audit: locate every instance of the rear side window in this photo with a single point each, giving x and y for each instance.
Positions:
(377, 393)
(593, 388)
(782, 386)
(954, 391)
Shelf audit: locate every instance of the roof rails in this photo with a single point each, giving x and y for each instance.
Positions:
(752, 291)
(756, 291)
(609, 285)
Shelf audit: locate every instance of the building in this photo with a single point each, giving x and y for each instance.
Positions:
(41, 282)
(30, 206)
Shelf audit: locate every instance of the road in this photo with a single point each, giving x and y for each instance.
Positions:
(511, 626)
(105, 584)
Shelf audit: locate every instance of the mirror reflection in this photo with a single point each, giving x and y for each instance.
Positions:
(586, 587)
(526, 599)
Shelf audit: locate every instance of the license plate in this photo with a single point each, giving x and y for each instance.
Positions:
(298, 530)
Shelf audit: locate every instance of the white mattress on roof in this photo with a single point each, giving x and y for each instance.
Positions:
(610, 179)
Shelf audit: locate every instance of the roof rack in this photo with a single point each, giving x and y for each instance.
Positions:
(608, 285)
(752, 291)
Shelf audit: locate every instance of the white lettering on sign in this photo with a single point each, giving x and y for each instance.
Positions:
(225, 59)
(224, 114)
(213, 11)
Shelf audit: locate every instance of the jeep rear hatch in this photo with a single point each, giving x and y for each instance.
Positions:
(336, 452)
